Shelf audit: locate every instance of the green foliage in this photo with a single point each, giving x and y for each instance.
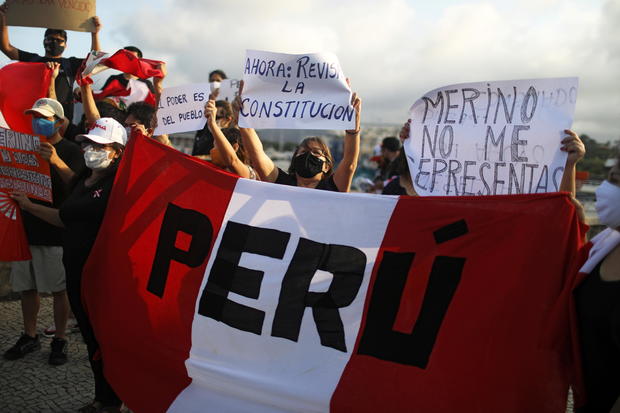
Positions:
(596, 155)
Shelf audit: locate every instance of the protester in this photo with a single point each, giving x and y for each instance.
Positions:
(139, 116)
(228, 151)
(45, 273)
(598, 303)
(400, 183)
(81, 216)
(203, 141)
(54, 43)
(217, 76)
(390, 149)
(312, 165)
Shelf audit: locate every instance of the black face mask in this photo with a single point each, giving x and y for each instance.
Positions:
(53, 47)
(307, 165)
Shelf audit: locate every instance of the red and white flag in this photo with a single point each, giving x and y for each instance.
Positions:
(122, 60)
(210, 293)
(21, 84)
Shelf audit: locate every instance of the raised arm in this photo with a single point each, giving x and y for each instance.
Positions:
(345, 170)
(262, 164)
(7, 48)
(576, 151)
(47, 214)
(88, 103)
(158, 82)
(55, 68)
(226, 150)
(94, 36)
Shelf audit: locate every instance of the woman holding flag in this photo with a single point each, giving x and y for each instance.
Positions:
(81, 215)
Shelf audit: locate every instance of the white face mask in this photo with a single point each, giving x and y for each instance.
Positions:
(96, 158)
(608, 204)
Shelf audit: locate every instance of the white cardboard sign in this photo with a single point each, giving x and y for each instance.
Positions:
(295, 91)
(229, 89)
(491, 138)
(181, 108)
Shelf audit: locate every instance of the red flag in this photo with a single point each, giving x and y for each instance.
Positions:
(12, 234)
(114, 88)
(199, 283)
(21, 84)
(127, 62)
(122, 60)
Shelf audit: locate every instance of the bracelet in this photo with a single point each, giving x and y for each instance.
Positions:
(352, 132)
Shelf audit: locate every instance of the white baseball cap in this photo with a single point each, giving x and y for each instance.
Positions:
(47, 107)
(104, 131)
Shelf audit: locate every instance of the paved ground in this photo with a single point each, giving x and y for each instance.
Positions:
(32, 385)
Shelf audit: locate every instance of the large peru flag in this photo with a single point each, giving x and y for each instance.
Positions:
(210, 293)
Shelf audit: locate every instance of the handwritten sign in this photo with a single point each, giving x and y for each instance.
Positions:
(181, 108)
(228, 89)
(286, 91)
(21, 167)
(60, 14)
(491, 138)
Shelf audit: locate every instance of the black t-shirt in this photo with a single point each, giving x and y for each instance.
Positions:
(124, 81)
(326, 184)
(68, 68)
(82, 214)
(203, 142)
(598, 314)
(393, 188)
(38, 231)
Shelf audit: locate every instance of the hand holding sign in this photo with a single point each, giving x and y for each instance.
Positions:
(67, 15)
(285, 91)
(491, 138)
(211, 114)
(572, 145)
(22, 200)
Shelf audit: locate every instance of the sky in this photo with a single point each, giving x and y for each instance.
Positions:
(393, 51)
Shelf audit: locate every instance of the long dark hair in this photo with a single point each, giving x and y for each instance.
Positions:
(233, 135)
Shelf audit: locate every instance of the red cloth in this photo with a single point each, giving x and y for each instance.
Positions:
(13, 241)
(501, 344)
(114, 88)
(504, 345)
(122, 60)
(127, 62)
(21, 84)
(139, 183)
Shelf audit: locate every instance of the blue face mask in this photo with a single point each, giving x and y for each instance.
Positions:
(43, 127)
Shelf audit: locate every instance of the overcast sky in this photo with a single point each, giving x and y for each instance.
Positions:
(392, 50)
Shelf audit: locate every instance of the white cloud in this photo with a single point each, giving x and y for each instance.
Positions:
(395, 50)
